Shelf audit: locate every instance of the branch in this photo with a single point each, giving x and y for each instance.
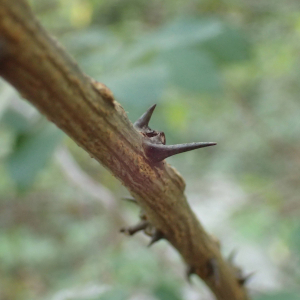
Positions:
(37, 66)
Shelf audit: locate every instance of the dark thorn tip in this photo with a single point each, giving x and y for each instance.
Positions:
(243, 280)
(157, 236)
(131, 230)
(124, 230)
(158, 152)
(144, 120)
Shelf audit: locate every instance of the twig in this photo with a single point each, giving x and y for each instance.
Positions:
(86, 110)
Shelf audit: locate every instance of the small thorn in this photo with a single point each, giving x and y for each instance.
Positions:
(143, 121)
(132, 200)
(131, 230)
(243, 279)
(189, 272)
(156, 152)
(156, 236)
(214, 270)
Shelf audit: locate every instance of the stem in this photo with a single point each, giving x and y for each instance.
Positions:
(37, 66)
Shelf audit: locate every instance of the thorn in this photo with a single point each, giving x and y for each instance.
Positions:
(156, 152)
(131, 230)
(189, 272)
(132, 200)
(156, 236)
(143, 121)
(214, 270)
(243, 279)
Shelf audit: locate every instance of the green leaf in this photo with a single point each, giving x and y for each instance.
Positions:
(184, 32)
(84, 40)
(230, 45)
(15, 121)
(260, 221)
(140, 86)
(31, 153)
(192, 70)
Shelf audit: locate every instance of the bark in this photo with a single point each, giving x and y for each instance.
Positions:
(40, 69)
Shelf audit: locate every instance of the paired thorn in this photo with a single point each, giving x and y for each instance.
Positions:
(143, 122)
(156, 236)
(158, 152)
(131, 230)
(154, 141)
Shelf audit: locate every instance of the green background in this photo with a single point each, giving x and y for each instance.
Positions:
(223, 71)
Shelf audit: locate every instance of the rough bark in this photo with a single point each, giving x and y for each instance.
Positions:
(40, 69)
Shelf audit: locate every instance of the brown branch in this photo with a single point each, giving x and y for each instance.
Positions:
(37, 66)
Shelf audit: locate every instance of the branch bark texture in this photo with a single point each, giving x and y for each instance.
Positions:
(40, 69)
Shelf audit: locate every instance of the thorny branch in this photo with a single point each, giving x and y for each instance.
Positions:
(37, 66)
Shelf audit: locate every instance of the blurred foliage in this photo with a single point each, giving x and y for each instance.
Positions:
(33, 146)
(220, 70)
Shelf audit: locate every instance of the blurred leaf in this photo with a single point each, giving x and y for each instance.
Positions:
(7, 256)
(31, 153)
(216, 37)
(192, 70)
(7, 92)
(93, 38)
(167, 292)
(296, 240)
(176, 115)
(184, 32)
(129, 267)
(253, 223)
(15, 121)
(117, 294)
(139, 86)
(280, 296)
(101, 62)
(231, 45)
(34, 249)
